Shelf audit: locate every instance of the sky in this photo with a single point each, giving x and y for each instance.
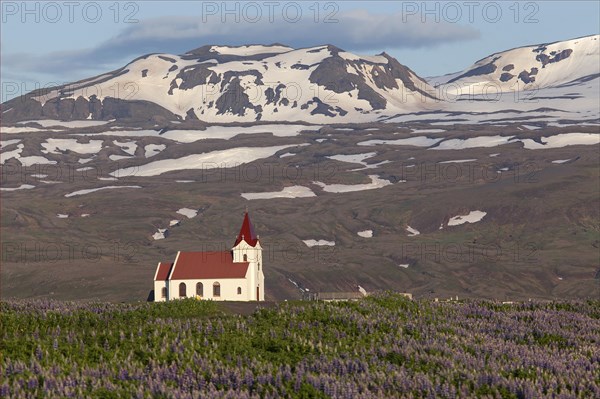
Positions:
(48, 43)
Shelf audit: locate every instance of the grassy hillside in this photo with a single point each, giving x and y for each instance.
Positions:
(539, 238)
(382, 346)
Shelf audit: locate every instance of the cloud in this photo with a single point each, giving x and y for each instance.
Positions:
(356, 30)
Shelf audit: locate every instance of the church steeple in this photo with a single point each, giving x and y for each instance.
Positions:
(247, 232)
(248, 248)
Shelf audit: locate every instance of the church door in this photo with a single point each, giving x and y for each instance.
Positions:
(258, 293)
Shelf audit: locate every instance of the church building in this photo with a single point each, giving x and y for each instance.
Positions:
(235, 275)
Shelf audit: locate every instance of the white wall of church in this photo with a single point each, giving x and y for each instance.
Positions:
(253, 254)
(158, 286)
(261, 284)
(228, 289)
(255, 275)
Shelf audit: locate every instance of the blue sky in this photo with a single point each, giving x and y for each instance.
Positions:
(52, 42)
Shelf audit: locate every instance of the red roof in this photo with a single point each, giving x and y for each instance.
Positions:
(162, 271)
(247, 233)
(207, 265)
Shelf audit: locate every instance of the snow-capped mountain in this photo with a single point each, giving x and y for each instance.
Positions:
(529, 68)
(323, 84)
(237, 84)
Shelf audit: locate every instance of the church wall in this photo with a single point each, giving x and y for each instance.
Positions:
(228, 289)
(158, 286)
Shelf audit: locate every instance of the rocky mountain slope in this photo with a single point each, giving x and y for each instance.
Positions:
(227, 84)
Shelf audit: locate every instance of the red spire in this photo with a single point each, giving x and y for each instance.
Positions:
(247, 232)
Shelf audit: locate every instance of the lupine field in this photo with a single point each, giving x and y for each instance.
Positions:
(383, 346)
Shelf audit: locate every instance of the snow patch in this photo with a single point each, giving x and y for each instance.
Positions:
(375, 59)
(413, 232)
(5, 143)
(128, 146)
(359, 158)
(365, 233)
(69, 124)
(353, 158)
(419, 141)
(190, 213)
(153, 149)
(209, 160)
(287, 192)
(376, 182)
(91, 190)
(562, 140)
(415, 131)
(16, 153)
(249, 50)
(473, 142)
(472, 217)
(35, 160)
(312, 243)
(227, 132)
(21, 187)
(114, 157)
(15, 130)
(160, 234)
(55, 146)
(459, 161)
(530, 127)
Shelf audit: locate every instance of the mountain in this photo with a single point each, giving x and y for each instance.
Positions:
(323, 84)
(245, 84)
(530, 67)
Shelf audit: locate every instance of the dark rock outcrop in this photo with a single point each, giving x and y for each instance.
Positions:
(480, 70)
(546, 59)
(193, 76)
(323, 109)
(528, 76)
(234, 100)
(169, 59)
(332, 75)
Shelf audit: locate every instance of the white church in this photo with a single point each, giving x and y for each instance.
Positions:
(235, 275)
